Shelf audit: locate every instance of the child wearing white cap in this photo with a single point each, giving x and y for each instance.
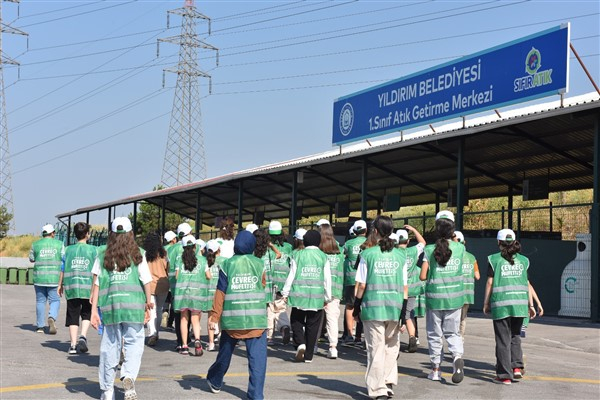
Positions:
(298, 240)
(122, 292)
(471, 274)
(352, 249)
(213, 266)
(415, 285)
(47, 255)
(508, 296)
(444, 296)
(226, 236)
(190, 293)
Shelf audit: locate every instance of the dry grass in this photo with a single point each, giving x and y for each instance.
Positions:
(16, 246)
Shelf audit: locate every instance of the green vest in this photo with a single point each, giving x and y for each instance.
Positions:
(174, 252)
(77, 276)
(444, 288)
(416, 286)
(280, 266)
(214, 279)
(510, 290)
(191, 288)
(308, 291)
(244, 304)
(469, 276)
(336, 264)
(420, 306)
(267, 260)
(384, 291)
(351, 250)
(48, 254)
(121, 297)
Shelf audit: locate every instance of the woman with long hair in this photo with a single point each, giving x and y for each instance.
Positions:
(122, 292)
(226, 236)
(380, 303)
(190, 293)
(158, 263)
(509, 296)
(335, 256)
(213, 266)
(444, 296)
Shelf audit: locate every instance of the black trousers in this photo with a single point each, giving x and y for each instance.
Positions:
(305, 329)
(509, 354)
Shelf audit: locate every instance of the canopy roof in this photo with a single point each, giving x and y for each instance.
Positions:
(546, 141)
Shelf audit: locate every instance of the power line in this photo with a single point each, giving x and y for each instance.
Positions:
(61, 9)
(262, 11)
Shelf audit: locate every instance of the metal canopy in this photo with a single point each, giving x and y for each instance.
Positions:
(553, 142)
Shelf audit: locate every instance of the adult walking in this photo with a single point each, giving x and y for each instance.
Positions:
(47, 255)
(158, 263)
(381, 301)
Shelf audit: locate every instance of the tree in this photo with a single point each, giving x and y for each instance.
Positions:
(5, 219)
(149, 219)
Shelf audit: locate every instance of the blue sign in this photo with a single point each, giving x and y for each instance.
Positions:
(522, 70)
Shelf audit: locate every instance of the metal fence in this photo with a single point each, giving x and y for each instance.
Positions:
(97, 237)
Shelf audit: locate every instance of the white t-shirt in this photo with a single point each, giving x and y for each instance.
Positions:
(226, 248)
(144, 271)
(361, 272)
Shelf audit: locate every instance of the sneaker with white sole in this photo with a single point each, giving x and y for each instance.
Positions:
(517, 373)
(51, 326)
(129, 388)
(435, 375)
(390, 390)
(39, 330)
(108, 395)
(213, 388)
(164, 321)
(502, 381)
(83, 347)
(300, 352)
(73, 349)
(332, 353)
(211, 347)
(459, 370)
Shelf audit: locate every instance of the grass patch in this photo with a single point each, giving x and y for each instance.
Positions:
(16, 246)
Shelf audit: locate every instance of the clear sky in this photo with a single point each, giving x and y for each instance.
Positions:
(88, 116)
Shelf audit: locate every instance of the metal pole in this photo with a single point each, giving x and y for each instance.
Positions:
(519, 224)
(550, 217)
(510, 207)
(437, 202)
(69, 231)
(198, 215)
(109, 217)
(584, 68)
(87, 218)
(163, 216)
(460, 184)
(595, 225)
(135, 217)
(240, 204)
(363, 188)
(293, 216)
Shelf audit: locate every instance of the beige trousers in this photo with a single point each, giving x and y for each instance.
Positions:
(383, 344)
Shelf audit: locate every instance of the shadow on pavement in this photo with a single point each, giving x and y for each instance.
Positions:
(83, 386)
(333, 385)
(58, 345)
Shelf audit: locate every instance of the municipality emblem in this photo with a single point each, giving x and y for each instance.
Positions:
(533, 62)
(346, 119)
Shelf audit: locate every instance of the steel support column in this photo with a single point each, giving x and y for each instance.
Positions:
(198, 215)
(511, 193)
(69, 230)
(460, 184)
(109, 217)
(134, 217)
(595, 227)
(240, 204)
(363, 190)
(163, 214)
(293, 216)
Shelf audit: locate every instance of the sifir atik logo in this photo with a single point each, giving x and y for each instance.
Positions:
(535, 77)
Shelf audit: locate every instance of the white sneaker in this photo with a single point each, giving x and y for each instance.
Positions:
(129, 388)
(459, 370)
(211, 347)
(108, 395)
(332, 353)
(435, 375)
(300, 352)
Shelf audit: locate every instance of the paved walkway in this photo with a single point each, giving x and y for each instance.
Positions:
(562, 356)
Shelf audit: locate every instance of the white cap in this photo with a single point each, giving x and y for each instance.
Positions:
(170, 235)
(459, 236)
(214, 245)
(184, 229)
(402, 234)
(123, 222)
(275, 228)
(200, 244)
(251, 228)
(299, 234)
(322, 221)
(446, 214)
(359, 224)
(47, 229)
(394, 237)
(351, 231)
(506, 235)
(188, 240)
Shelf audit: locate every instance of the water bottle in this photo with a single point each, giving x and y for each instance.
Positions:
(101, 326)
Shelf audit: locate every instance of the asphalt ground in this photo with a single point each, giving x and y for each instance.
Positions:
(562, 362)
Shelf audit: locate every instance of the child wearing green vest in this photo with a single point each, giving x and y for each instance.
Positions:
(471, 274)
(158, 263)
(191, 290)
(213, 266)
(46, 254)
(239, 306)
(444, 296)
(352, 249)
(508, 296)
(167, 317)
(381, 301)
(307, 289)
(122, 292)
(76, 283)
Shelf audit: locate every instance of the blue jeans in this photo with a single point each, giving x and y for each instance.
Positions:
(44, 294)
(126, 336)
(256, 349)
